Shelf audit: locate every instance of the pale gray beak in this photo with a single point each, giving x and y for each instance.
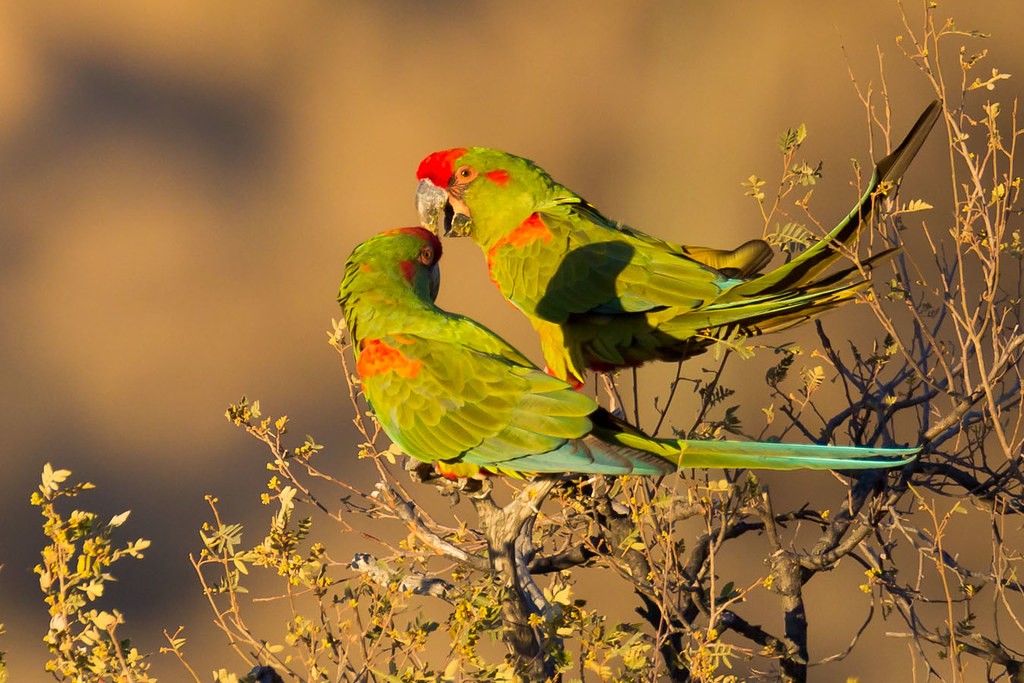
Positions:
(432, 203)
(440, 212)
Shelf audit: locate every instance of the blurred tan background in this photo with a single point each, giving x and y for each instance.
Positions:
(181, 182)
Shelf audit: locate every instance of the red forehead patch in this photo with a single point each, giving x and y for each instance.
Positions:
(439, 166)
(424, 234)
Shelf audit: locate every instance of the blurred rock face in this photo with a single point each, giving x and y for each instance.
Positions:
(180, 184)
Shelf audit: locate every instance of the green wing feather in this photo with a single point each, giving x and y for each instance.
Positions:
(606, 269)
(471, 405)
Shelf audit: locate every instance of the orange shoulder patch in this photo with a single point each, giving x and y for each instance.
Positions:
(527, 232)
(376, 358)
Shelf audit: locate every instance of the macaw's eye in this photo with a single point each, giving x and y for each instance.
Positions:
(427, 256)
(464, 174)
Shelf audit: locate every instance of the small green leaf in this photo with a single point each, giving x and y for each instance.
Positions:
(790, 140)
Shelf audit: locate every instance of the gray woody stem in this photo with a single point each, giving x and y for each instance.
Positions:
(509, 530)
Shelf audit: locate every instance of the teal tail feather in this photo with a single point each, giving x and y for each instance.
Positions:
(617, 441)
(616, 453)
(787, 456)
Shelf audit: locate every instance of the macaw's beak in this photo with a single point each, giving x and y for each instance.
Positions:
(435, 282)
(441, 213)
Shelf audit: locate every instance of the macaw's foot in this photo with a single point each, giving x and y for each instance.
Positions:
(419, 471)
(614, 404)
(448, 482)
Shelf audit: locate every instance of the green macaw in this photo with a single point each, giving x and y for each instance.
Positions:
(602, 295)
(449, 391)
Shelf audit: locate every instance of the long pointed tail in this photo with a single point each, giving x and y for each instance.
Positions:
(773, 312)
(785, 456)
(645, 455)
(797, 291)
(801, 271)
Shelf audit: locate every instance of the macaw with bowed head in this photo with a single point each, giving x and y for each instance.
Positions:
(449, 391)
(602, 295)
